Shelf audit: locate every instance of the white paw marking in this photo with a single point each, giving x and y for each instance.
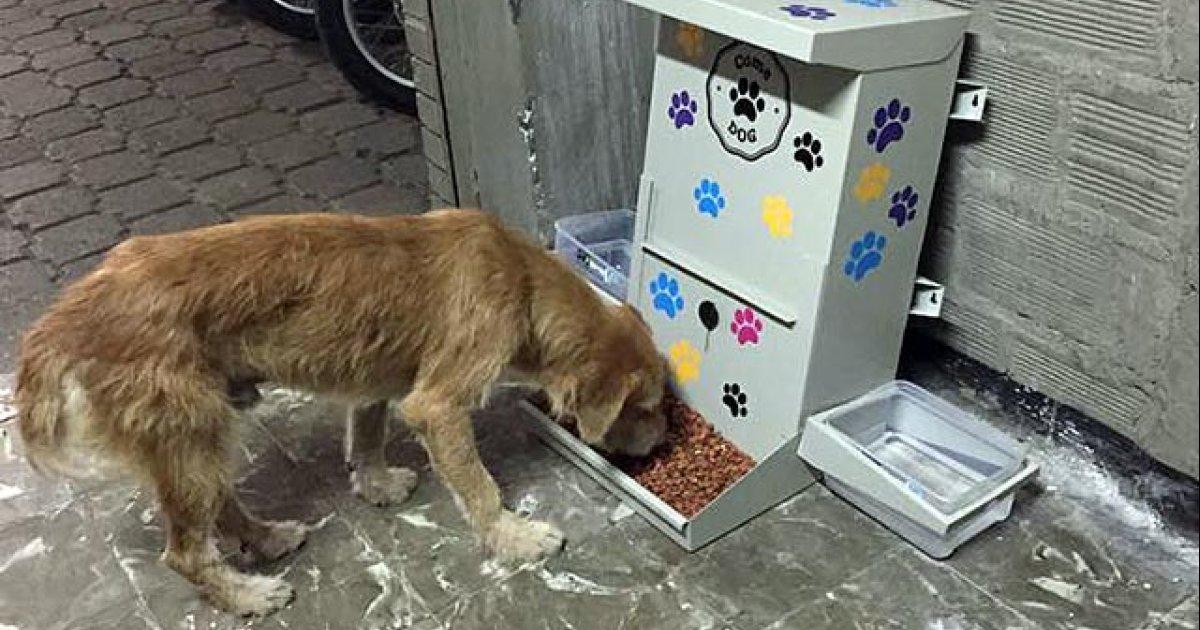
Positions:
(383, 486)
(254, 595)
(285, 537)
(514, 538)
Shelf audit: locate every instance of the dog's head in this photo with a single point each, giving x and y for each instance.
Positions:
(615, 394)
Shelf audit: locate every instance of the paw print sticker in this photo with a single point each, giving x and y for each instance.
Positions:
(904, 206)
(808, 11)
(749, 101)
(808, 151)
(734, 400)
(872, 182)
(746, 100)
(709, 199)
(746, 326)
(865, 255)
(664, 291)
(777, 216)
(682, 110)
(685, 359)
(888, 125)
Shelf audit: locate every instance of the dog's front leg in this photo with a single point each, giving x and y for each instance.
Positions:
(367, 429)
(445, 428)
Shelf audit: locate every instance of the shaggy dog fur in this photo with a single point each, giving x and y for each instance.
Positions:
(145, 359)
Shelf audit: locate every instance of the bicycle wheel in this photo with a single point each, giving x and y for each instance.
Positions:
(365, 40)
(294, 17)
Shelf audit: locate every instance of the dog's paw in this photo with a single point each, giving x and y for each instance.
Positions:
(250, 595)
(283, 538)
(512, 537)
(383, 486)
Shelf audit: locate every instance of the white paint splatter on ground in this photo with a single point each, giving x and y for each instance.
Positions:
(1060, 588)
(323, 522)
(1075, 473)
(527, 505)
(32, 549)
(398, 604)
(314, 575)
(127, 565)
(620, 513)
(8, 410)
(417, 519)
(567, 582)
(9, 492)
(439, 575)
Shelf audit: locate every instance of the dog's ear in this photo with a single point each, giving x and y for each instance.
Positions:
(631, 314)
(597, 416)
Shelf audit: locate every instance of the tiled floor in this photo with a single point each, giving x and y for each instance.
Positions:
(122, 117)
(1075, 554)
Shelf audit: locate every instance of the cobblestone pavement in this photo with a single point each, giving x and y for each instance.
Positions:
(122, 117)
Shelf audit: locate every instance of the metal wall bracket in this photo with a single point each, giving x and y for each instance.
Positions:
(927, 298)
(970, 99)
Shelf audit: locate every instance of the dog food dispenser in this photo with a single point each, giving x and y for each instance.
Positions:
(790, 158)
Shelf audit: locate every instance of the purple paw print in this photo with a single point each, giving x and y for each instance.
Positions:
(682, 110)
(904, 206)
(808, 11)
(888, 125)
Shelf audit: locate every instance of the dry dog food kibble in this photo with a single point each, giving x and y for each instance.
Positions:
(694, 466)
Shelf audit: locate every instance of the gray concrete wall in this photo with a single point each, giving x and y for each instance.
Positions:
(1065, 227)
(546, 104)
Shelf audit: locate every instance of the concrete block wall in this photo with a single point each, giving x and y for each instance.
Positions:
(1065, 227)
(435, 142)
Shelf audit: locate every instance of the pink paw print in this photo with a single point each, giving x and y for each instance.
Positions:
(746, 326)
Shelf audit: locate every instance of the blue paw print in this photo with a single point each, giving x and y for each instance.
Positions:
(808, 11)
(904, 206)
(665, 291)
(874, 4)
(709, 199)
(889, 125)
(865, 255)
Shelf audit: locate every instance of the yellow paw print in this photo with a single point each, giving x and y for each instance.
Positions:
(690, 39)
(685, 358)
(872, 182)
(777, 215)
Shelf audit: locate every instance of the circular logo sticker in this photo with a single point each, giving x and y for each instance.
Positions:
(748, 100)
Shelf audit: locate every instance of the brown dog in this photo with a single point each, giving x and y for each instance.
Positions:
(142, 361)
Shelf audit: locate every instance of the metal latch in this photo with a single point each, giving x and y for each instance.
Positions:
(970, 99)
(927, 298)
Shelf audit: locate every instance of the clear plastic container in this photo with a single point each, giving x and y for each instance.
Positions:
(598, 244)
(925, 468)
(935, 449)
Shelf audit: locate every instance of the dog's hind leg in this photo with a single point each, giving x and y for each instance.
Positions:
(445, 428)
(181, 445)
(367, 430)
(265, 540)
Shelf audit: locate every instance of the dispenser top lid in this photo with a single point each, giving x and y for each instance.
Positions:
(861, 35)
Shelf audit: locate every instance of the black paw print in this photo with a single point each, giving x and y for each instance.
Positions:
(735, 399)
(808, 151)
(746, 101)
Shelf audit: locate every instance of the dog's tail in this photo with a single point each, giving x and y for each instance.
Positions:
(52, 412)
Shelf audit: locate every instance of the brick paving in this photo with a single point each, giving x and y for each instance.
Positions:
(122, 117)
